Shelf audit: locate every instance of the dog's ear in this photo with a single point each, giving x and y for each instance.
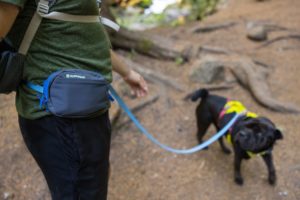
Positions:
(278, 135)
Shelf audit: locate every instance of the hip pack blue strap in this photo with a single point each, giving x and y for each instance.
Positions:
(35, 87)
(122, 104)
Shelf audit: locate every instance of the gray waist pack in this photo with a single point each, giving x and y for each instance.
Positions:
(11, 67)
(74, 93)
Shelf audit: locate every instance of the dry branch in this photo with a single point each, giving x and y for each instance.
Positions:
(134, 109)
(145, 103)
(215, 50)
(210, 28)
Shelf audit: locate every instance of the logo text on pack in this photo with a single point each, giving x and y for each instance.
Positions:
(75, 76)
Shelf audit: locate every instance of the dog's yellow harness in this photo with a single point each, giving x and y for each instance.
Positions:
(238, 107)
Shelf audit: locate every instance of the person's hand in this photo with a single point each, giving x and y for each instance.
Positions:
(137, 83)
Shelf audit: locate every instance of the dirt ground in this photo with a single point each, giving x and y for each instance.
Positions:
(143, 171)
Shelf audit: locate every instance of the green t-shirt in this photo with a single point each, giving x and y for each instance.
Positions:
(58, 45)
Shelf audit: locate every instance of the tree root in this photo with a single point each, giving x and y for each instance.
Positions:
(268, 25)
(252, 74)
(246, 71)
(212, 87)
(267, 43)
(153, 76)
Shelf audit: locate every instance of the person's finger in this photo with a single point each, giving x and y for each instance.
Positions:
(138, 93)
(143, 85)
(132, 92)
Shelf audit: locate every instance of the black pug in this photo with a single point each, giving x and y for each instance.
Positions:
(250, 135)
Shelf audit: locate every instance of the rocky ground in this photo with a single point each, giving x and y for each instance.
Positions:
(143, 171)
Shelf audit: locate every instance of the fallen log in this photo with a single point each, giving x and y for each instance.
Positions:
(143, 42)
(149, 44)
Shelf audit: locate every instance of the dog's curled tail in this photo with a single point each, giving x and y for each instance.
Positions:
(201, 93)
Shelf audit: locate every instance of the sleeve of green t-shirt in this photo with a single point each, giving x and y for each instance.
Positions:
(19, 3)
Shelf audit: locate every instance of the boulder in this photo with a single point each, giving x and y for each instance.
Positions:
(256, 32)
(208, 70)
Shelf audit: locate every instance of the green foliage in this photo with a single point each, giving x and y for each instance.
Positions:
(201, 8)
(127, 20)
(153, 18)
(179, 61)
(145, 3)
(146, 45)
(130, 14)
(133, 3)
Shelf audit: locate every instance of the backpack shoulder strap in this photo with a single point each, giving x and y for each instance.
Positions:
(42, 8)
(42, 11)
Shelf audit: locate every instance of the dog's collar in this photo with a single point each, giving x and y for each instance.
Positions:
(251, 154)
(235, 107)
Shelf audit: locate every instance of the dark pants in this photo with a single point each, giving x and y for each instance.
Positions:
(73, 154)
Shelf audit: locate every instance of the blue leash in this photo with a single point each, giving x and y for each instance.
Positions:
(167, 148)
(122, 104)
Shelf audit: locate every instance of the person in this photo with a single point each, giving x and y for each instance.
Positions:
(73, 154)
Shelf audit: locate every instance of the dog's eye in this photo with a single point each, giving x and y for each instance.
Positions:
(243, 134)
(259, 134)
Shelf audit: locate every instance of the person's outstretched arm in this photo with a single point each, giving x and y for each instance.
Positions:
(8, 15)
(135, 80)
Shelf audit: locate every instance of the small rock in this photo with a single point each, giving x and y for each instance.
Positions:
(256, 32)
(284, 193)
(186, 118)
(179, 129)
(8, 196)
(155, 175)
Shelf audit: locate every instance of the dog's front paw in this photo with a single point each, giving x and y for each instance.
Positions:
(239, 180)
(272, 179)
